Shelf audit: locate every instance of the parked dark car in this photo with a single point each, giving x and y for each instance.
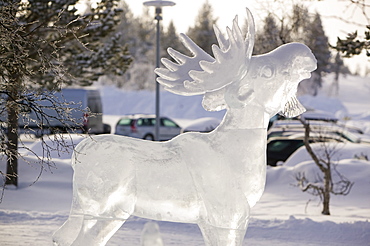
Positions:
(143, 126)
(281, 147)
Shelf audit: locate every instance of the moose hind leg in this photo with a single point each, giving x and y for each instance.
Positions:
(68, 232)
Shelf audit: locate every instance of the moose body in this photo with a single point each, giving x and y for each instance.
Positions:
(181, 185)
(212, 179)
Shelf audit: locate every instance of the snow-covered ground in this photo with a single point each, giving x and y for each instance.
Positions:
(284, 215)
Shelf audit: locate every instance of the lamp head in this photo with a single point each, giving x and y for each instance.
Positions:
(159, 3)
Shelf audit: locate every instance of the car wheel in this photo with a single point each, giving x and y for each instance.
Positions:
(149, 137)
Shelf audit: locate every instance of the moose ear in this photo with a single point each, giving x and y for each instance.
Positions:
(292, 108)
(214, 101)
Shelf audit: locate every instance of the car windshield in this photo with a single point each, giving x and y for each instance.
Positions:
(279, 146)
(168, 123)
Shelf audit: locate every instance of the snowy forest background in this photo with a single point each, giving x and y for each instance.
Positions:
(138, 33)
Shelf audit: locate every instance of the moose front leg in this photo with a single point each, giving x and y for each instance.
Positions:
(225, 225)
(97, 231)
(225, 209)
(215, 236)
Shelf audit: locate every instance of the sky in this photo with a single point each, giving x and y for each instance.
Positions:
(184, 13)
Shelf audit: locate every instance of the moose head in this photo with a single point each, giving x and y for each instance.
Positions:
(234, 79)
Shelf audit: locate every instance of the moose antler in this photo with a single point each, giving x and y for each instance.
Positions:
(202, 73)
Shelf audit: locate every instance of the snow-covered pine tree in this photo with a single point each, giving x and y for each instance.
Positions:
(45, 45)
(127, 32)
(98, 50)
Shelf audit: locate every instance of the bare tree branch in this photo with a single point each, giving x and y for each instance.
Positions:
(324, 184)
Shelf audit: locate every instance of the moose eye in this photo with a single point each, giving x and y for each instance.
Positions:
(245, 92)
(267, 71)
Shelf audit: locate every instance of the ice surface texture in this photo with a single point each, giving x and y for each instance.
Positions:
(212, 179)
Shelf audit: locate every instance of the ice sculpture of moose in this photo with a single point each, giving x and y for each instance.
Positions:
(211, 179)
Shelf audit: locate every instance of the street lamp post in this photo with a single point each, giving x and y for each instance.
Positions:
(158, 4)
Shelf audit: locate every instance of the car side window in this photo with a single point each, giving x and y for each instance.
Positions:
(146, 122)
(151, 122)
(277, 146)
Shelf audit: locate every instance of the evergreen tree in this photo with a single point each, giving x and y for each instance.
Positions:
(352, 45)
(268, 38)
(276, 32)
(336, 68)
(105, 54)
(46, 44)
(86, 49)
(299, 23)
(202, 33)
(127, 27)
(318, 43)
(141, 75)
(140, 36)
(170, 38)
